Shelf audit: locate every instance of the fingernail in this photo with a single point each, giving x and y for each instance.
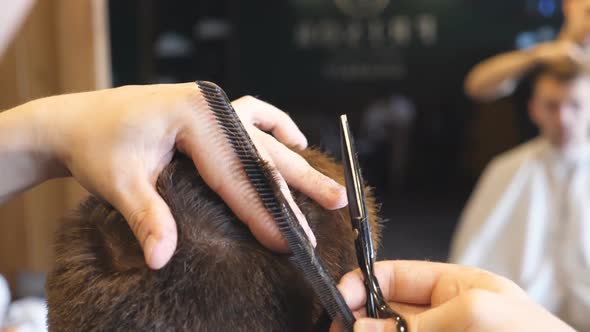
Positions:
(339, 193)
(309, 233)
(157, 253)
(148, 249)
(303, 142)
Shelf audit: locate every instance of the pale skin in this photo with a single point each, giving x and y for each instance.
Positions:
(116, 142)
(561, 111)
(446, 297)
(498, 76)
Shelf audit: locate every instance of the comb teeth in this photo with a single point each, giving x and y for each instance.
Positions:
(261, 177)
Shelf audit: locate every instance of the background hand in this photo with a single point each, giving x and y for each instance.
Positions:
(556, 51)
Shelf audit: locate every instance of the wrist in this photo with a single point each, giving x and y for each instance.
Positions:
(24, 160)
(38, 120)
(534, 55)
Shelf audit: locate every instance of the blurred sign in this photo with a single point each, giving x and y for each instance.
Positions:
(340, 46)
(378, 38)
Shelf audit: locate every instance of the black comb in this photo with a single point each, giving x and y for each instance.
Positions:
(262, 179)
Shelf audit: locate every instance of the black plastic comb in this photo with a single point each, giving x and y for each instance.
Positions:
(275, 203)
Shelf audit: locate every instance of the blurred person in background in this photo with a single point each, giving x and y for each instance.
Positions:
(529, 216)
(508, 73)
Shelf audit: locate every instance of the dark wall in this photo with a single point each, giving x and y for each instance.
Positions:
(319, 58)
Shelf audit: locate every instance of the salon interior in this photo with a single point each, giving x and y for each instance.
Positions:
(398, 69)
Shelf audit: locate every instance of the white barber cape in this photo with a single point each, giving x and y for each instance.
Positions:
(529, 220)
(25, 315)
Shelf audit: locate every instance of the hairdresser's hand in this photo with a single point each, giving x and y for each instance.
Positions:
(445, 297)
(556, 51)
(116, 142)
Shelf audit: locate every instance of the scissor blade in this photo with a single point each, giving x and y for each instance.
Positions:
(354, 182)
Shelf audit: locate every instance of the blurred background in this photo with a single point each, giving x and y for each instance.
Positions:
(396, 67)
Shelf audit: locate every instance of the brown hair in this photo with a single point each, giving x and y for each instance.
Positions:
(219, 279)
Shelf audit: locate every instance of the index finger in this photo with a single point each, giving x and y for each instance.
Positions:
(268, 118)
(402, 281)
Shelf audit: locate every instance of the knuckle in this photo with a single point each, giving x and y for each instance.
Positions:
(284, 115)
(448, 287)
(281, 117)
(509, 286)
(475, 302)
(135, 219)
(492, 281)
(247, 100)
(265, 138)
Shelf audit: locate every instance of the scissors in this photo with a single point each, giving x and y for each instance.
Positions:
(376, 305)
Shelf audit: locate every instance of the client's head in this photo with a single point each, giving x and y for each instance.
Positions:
(560, 105)
(219, 279)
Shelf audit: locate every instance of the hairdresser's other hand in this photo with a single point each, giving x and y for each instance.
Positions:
(556, 51)
(445, 297)
(117, 141)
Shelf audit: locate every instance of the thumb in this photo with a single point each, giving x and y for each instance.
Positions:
(461, 313)
(150, 220)
(375, 325)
